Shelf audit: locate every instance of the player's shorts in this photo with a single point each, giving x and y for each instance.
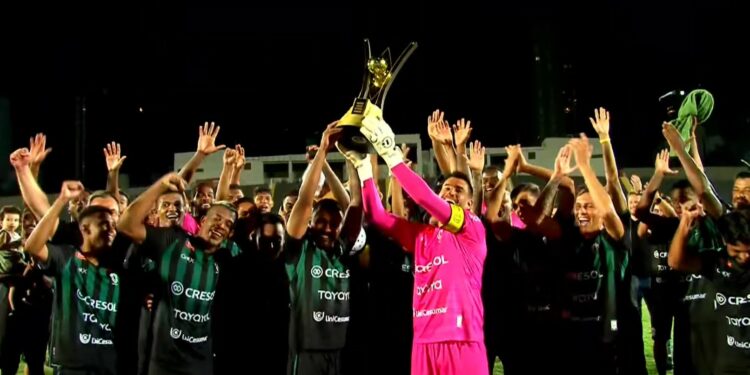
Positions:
(449, 358)
(314, 362)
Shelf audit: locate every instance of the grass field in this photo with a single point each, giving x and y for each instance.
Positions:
(499, 368)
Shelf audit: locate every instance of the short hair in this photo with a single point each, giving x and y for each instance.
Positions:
(101, 194)
(229, 206)
(262, 190)
(492, 168)
(681, 185)
(124, 194)
(531, 188)
(735, 227)
(293, 193)
(581, 190)
(200, 186)
(9, 210)
(742, 175)
(91, 211)
(327, 204)
(460, 176)
(235, 187)
(242, 200)
(271, 218)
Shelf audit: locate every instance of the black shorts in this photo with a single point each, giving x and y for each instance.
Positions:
(314, 362)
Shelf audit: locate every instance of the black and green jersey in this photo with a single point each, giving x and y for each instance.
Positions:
(595, 282)
(319, 294)
(85, 308)
(732, 310)
(187, 279)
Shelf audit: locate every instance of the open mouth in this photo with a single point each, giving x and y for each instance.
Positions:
(451, 201)
(173, 216)
(216, 234)
(583, 221)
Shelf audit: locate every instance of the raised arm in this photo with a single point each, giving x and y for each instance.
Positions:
(695, 175)
(39, 152)
(694, 150)
(442, 142)
(227, 172)
(239, 165)
(475, 161)
(462, 131)
(398, 205)
(113, 159)
(132, 221)
(600, 122)
(32, 194)
(382, 138)
(661, 167)
(397, 228)
(206, 146)
(302, 211)
(36, 244)
(582, 151)
(679, 258)
(337, 188)
(354, 213)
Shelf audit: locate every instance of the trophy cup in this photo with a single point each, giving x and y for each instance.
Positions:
(378, 76)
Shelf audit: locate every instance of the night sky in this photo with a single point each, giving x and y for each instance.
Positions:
(273, 77)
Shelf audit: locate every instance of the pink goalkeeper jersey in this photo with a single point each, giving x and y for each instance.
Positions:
(447, 303)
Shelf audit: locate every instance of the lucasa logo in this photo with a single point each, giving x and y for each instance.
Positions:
(320, 316)
(86, 339)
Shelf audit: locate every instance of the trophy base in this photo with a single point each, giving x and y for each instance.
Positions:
(350, 139)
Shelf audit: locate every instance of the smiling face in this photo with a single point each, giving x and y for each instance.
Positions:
(216, 225)
(587, 216)
(326, 226)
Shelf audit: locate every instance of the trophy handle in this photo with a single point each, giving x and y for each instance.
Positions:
(405, 54)
(365, 90)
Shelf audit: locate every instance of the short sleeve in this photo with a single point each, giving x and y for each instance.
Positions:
(57, 257)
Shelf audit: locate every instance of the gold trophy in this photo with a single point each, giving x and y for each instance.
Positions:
(378, 76)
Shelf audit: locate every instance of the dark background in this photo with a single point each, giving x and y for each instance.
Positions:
(272, 77)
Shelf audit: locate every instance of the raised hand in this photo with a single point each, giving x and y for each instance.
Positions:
(582, 150)
(562, 162)
(20, 158)
(462, 131)
(310, 152)
(691, 211)
(239, 161)
(476, 157)
(405, 149)
(514, 156)
(71, 190)
(438, 128)
(672, 136)
(38, 150)
(207, 139)
(230, 156)
(433, 121)
(112, 155)
(600, 122)
(329, 136)
(661, 164)
(637, 183)
(173, 182)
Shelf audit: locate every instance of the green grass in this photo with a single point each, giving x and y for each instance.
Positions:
(647, 343)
